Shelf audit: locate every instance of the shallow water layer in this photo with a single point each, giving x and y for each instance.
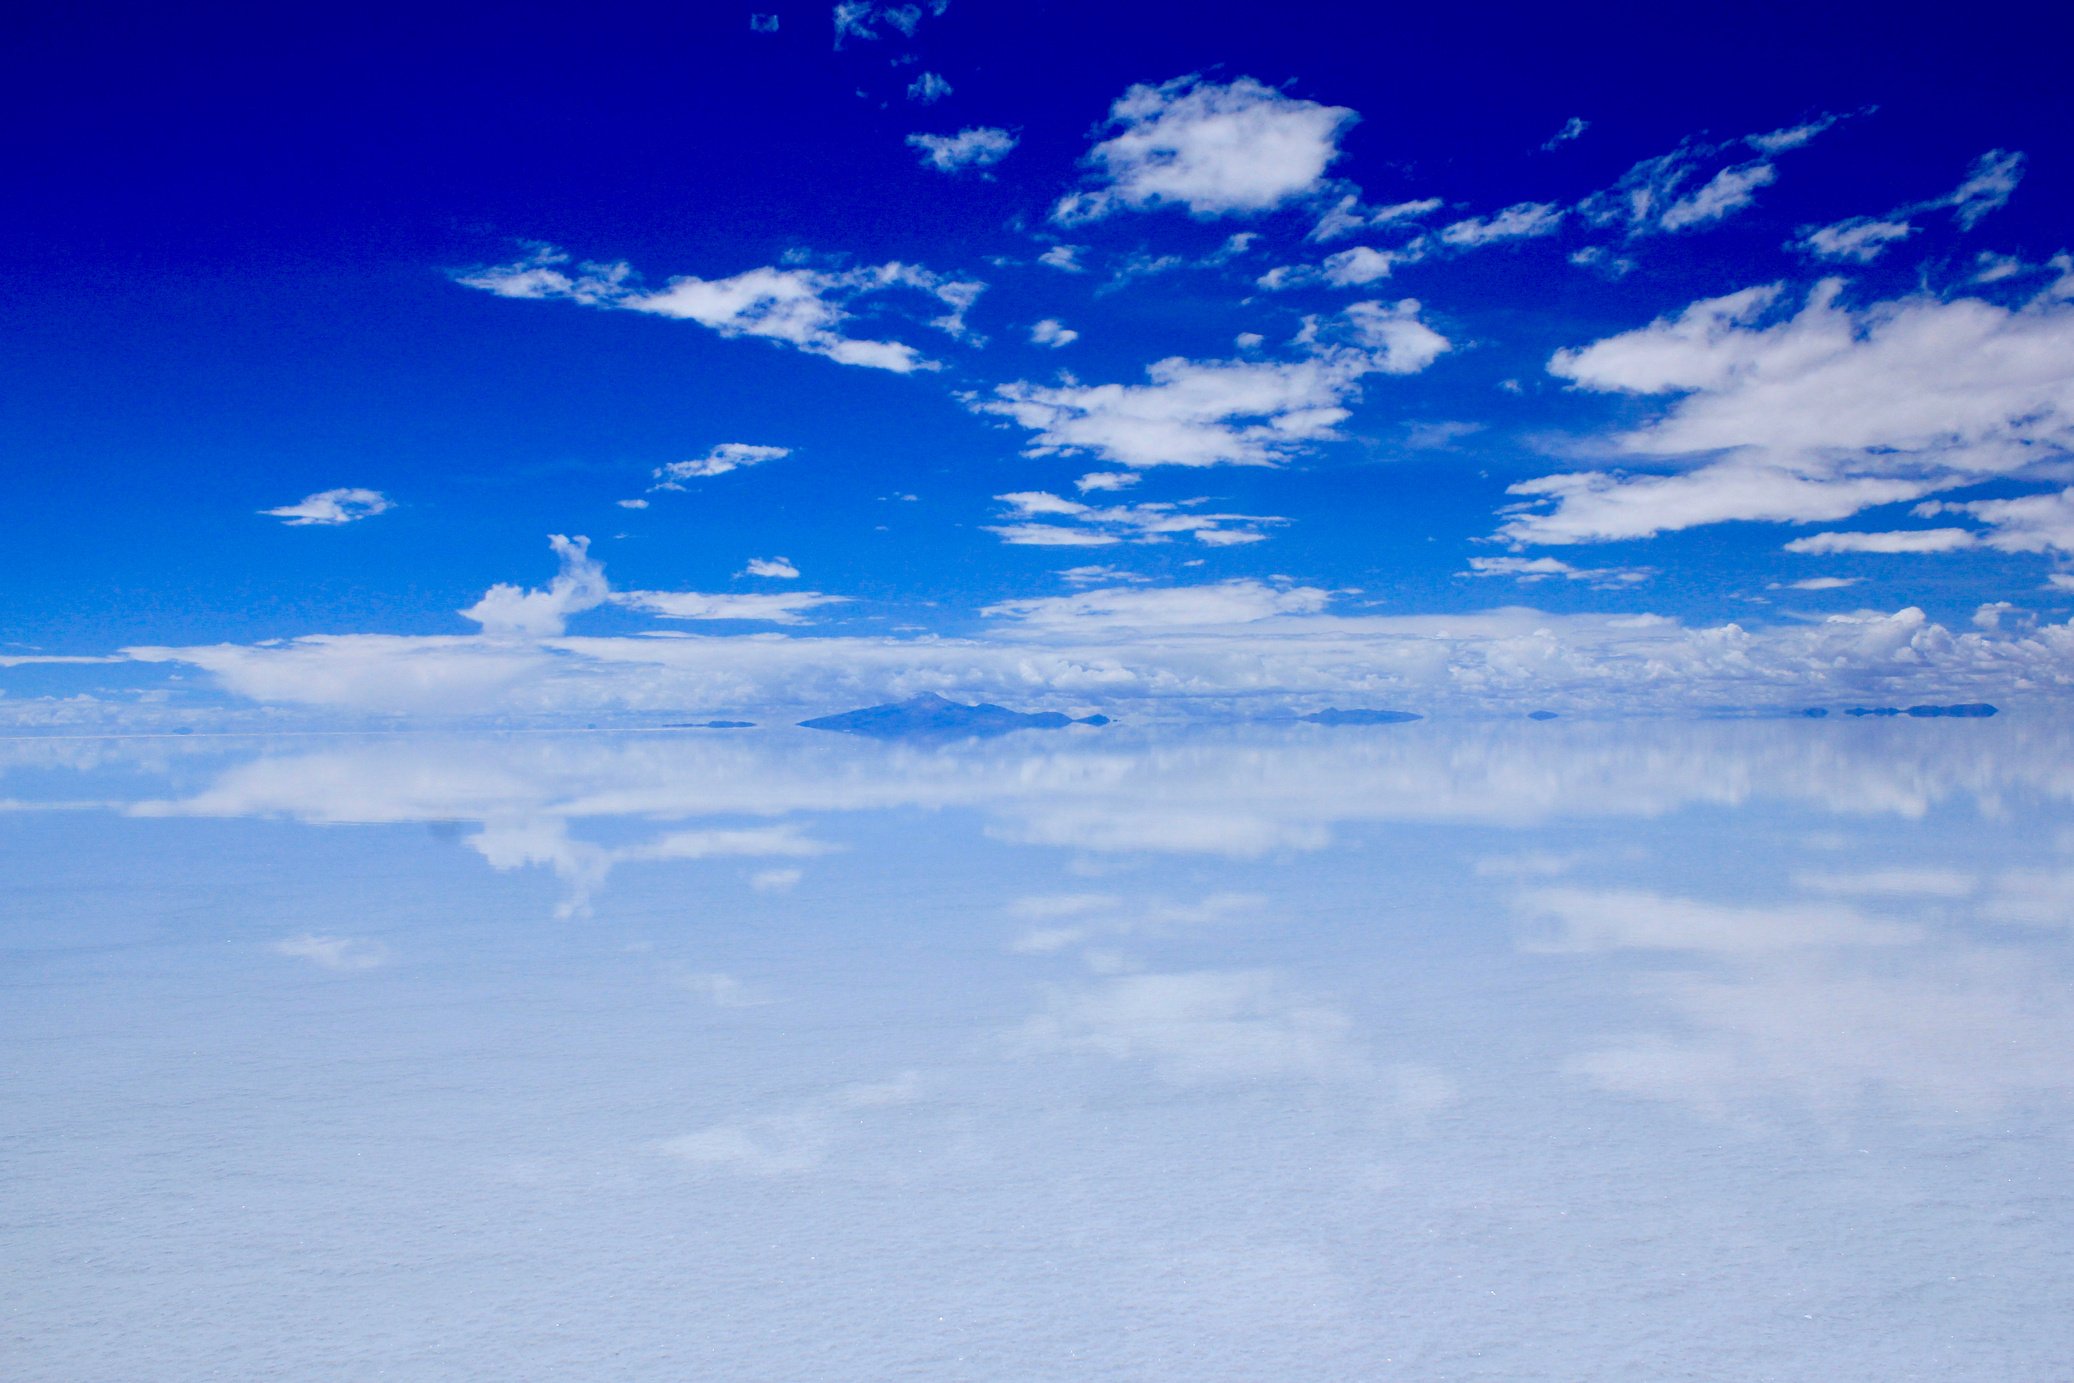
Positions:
(1732, 1050)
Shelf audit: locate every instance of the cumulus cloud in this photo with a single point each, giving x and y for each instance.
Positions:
(982, 146)
(1153, 646)
(1862, 239)
(1052, 332)
(1216, 150)
(332, 507)
(798, 305)
(508, 611)
(1037, 519)
(779, 568)
(1528, 570)
(1223, 412)
(1812, 416)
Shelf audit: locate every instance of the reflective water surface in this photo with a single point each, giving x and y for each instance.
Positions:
(1726, 1049)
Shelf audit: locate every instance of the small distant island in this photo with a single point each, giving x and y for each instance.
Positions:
(1541, 715)
(1965, 710)
(1333, 715)
(929, 716)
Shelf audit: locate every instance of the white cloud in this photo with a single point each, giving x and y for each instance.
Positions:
(1038, 519)
(1215, 149)
(1052, 332)
(1348, 215)
(860, 19)
(1362, 264)
(508, 611)
(1573, 128)
(1987, 188)
(1912, 540)
(1816, 583)
(333, 952)
(982, 146)
(728, 456)
(1600, 919)
(1528, 570)
(774, 607)
(1524, 221)
(1065, 258)
(332, 507)
(800, 306)
(1814, 416)
(1222, 412)
(632, 503)
(1659, 194)
(1237, 602)
(780, 568)
(2029, 523)
(928, 89)
(1098, 576)
(1728, 191)
(763, 23)
(775, 880)
(1862, 239)
(1107, 480)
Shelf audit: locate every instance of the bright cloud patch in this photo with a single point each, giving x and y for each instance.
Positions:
(331, 507)
(1814, 416)
(1047, 520)
(1222, 412)
(508, 612)
(979, 147)
(803, 307)
(728, 456)
(777, 568)
(1531, 569)
(1214, 149)
(1052, 332)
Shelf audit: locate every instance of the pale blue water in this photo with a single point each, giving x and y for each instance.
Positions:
(1664, 1050)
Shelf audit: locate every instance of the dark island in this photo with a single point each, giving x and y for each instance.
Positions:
(1333, 715)
(930, 716)
(1965, 710)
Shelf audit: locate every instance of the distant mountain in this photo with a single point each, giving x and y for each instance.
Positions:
(1965, 710)
(930, 716)
(1333, 715)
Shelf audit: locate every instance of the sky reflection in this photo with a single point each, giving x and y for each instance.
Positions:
(1509, 1050)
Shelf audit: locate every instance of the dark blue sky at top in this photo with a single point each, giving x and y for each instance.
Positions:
(232, 235)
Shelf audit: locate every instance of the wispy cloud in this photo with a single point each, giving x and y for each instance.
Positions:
(800, 306)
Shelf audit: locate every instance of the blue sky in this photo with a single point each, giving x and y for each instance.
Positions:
(1043, 353)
